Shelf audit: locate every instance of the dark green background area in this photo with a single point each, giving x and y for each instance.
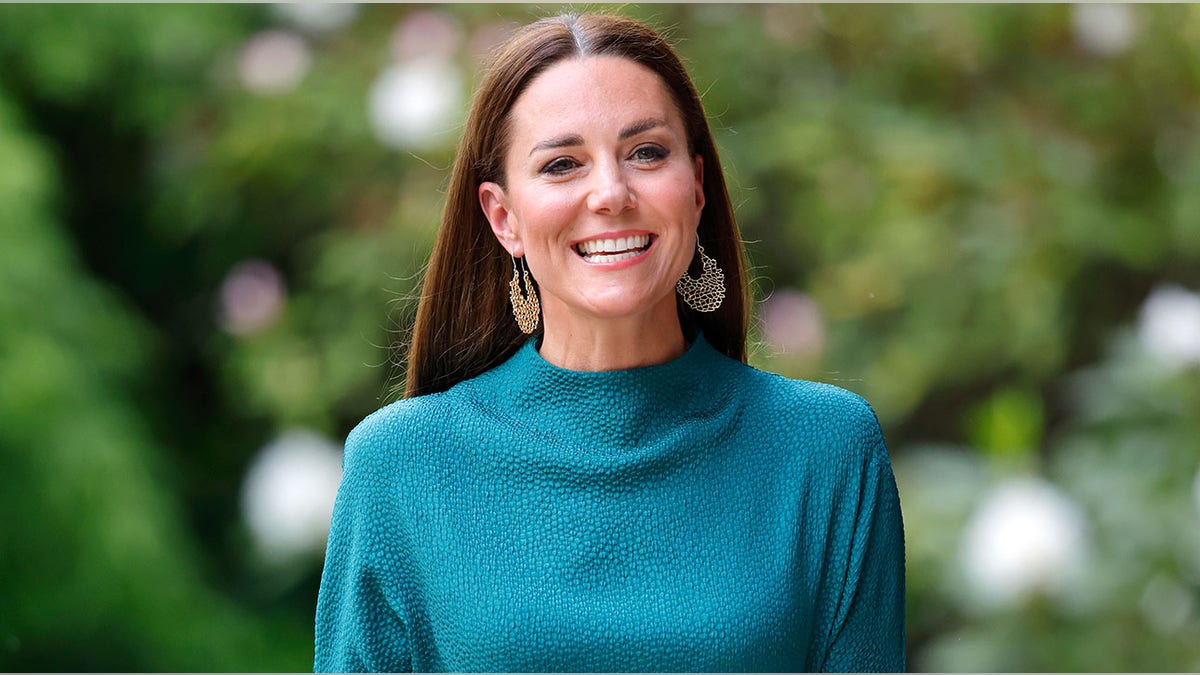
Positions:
(976, 202)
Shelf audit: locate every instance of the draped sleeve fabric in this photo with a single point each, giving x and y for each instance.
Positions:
(867, 632)
(359, 627)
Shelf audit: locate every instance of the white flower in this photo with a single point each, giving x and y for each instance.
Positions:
(1026, 536)
(1103, 29)
(1166, 604)
(792, 323)
(1169, 325)
(252, 297)
(273, 62)
(288, 494)
(414, 104)
(316, 17)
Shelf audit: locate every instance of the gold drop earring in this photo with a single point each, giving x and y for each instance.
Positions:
(706, 293)
(525, 306)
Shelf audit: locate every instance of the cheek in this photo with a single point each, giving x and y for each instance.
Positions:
(676, 196)
(543, 215)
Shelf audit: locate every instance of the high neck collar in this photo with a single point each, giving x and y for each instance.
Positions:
(606, 410)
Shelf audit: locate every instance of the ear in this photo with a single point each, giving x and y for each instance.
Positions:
(699, 182)
(494, 202)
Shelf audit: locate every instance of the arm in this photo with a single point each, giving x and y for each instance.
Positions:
(868, 630)
(357, 628)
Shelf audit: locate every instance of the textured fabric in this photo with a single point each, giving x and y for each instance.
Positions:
(692, 516)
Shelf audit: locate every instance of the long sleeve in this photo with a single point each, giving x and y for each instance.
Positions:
(357, 627)
(868, 634)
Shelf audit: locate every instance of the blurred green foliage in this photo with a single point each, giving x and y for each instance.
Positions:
(978, 199)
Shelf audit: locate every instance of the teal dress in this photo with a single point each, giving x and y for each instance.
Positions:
(698, 515)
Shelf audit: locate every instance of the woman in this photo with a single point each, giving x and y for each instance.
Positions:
(618, 492)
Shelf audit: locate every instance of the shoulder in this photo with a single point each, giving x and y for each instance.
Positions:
(386, 457)
(377, 440)
(819, 416)
(777, 394)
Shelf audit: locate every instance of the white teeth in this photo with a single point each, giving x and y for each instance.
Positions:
(625, 246)
(611, 257)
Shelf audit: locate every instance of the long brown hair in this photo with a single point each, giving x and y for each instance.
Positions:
(464, 324)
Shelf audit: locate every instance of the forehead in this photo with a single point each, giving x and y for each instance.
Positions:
(594, 92)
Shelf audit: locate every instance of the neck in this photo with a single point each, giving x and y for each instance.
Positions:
(591, 344)
(627, 415)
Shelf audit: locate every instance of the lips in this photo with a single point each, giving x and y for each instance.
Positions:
(612, 250)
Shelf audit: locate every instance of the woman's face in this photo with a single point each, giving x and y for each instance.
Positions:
(601, 196)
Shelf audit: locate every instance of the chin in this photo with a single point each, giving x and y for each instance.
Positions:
(622, 306)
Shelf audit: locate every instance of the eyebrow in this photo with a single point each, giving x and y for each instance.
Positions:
(628, 132)
(558, 142)
(638, 127)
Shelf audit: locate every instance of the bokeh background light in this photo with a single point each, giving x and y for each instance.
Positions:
(213, 218)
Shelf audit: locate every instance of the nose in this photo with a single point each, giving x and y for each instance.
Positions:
(610, 191)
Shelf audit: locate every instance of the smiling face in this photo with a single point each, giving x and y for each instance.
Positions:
(601, 195)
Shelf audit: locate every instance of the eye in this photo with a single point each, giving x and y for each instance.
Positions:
(560, 166)
(650, 153)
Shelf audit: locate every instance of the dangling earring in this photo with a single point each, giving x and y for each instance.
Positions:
(525, 307)
(706, 293)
